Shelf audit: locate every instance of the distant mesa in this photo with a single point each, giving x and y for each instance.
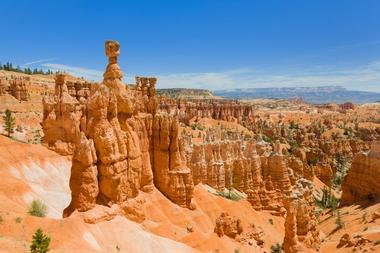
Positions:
(185, 93)
(316, 95)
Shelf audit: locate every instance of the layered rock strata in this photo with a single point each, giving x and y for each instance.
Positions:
(228, 225)
(363, 179)
(300, 222)
(219, 110)
(171, 175)
(119, 145)
(63, 117)
(227, 164)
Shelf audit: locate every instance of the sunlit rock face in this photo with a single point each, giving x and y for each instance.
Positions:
(217, 109)
(362, 183)
(300, 222)
(119, 145)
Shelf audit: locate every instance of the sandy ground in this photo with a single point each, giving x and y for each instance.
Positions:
(30, 171)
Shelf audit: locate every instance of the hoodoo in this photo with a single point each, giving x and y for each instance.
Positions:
(120, 146)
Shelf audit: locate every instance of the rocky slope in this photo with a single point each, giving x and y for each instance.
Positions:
(35, 172)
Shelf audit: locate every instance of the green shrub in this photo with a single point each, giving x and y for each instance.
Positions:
(343, 164)
(328, 200)
(364, 217)
(18, 220)
(293, 145)
(313, 160)
(9, 122)
(267, 139)
(337, 180)
(339, 222)
(38, 208)
(40, 243)
(377, 242)
(276, 248)
(228, 195)
(270, 221)
(195, 126)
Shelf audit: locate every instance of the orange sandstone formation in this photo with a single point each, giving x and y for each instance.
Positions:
(171, 175)
(362, 183)
(4, 86)
(219, 110)
(300, 223)
(18, 89)
(235, 163)
(227, 225)
(15, 86)
(119, 145)
(62, 117)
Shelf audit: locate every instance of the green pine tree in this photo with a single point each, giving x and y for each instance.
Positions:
(40, 243)
(9, 122)
(339, 222)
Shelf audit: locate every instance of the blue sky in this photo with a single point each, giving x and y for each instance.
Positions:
(214, 44)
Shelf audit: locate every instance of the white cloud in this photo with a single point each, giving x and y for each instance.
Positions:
(91, 74)
(366, 77)
(37, 61)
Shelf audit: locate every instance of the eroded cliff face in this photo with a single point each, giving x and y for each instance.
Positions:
(119, 145)
(171, 175)
(185, 110)
(318, 149)
(270, 177)
(300, 223)
(226, 161)
(17, 88)
(62, 119)
(362, 183)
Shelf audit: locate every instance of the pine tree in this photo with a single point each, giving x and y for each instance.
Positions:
(9, 122)
(40, 243)
(339, 222)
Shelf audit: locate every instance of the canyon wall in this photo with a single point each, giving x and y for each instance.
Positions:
(362, 183)
(226, 161)
(185, 110)
(15, 86)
